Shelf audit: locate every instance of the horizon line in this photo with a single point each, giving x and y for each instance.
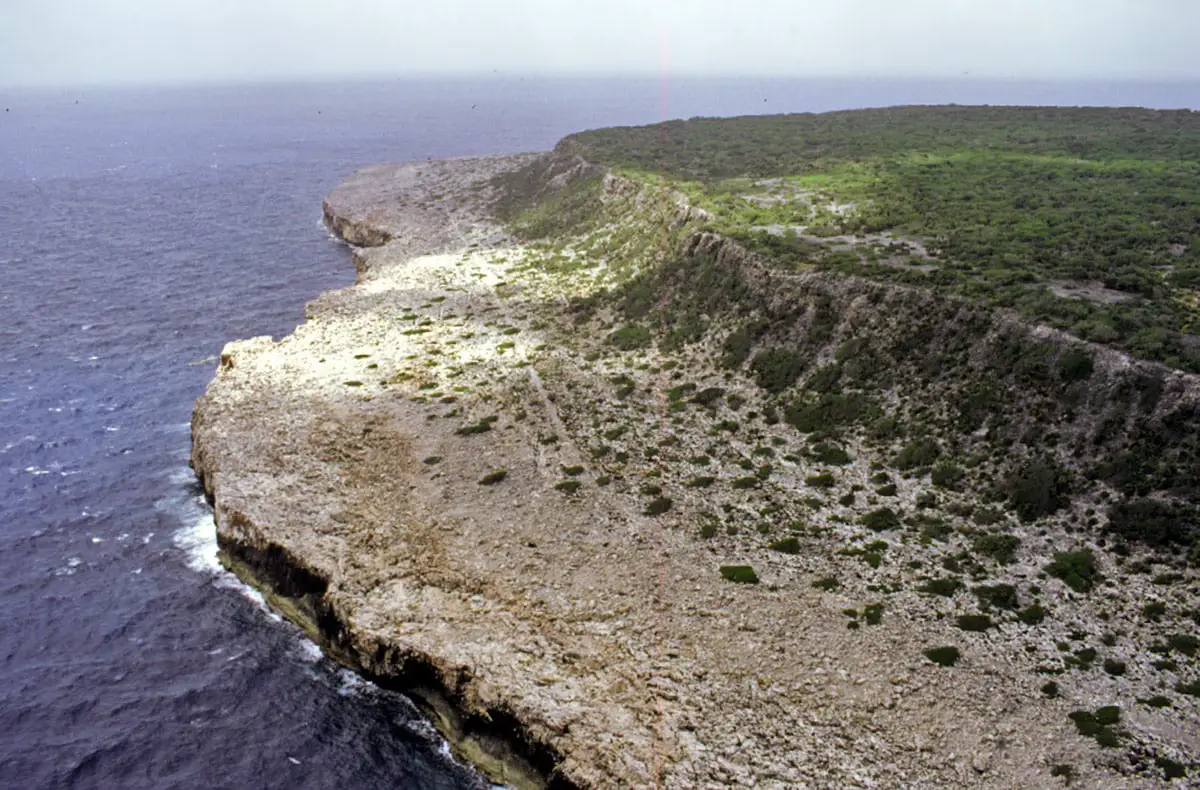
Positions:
(480, 76)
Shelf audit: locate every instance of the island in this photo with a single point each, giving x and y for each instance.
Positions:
(858, 449)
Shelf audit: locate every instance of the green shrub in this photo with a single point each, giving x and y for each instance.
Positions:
(1077, 569)
(657, 506)
(917, 453)
(1170, 768)
(822, 480)
(932, 528)
(740, 574)
(1114, 667)
(1075, 365)
(1085, 722)
(572, 471)
(739, 343)
(483, 426)
(1098, 725)
(882, 519)
(777, 369)
(708, 396)
(1154, 610)
(1037, 490)
(678, 393)
(1050, 689)
(431, 460)
(1001, 547)
(947, 475)
(943, 656)
(702, 481)
(1152, 522)
(973, 622)
(1187, 644)
(630, 338)
(749, 481)
(944, 587)
(887, 490)
(1083, 658)
(1033, 614)
(827, 583)
(829, 411)
(568, 487)
(1157, 701)
(491, 478)
(999, 596)
(987, 516)
(830, 455)
(1192, 689)
(786, 546)
(873, 613)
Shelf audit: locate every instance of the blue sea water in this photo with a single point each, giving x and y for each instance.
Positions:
(141, 230)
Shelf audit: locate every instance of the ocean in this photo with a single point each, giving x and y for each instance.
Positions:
(142, 230)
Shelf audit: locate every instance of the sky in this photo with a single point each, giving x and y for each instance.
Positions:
(89, 42)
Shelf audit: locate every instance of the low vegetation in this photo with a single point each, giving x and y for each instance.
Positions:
(1035, 491)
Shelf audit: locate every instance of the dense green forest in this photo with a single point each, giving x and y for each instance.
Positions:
(1084, 219)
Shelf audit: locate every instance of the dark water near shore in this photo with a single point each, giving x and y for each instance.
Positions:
(141, 231)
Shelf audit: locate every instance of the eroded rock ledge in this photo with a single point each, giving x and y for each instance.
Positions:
(393, 474)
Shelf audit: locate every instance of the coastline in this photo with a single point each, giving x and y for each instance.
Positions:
(557, 640)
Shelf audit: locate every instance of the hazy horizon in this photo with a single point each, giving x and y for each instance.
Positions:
(58, 43)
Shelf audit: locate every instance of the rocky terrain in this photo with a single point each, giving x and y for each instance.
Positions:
(624, 503)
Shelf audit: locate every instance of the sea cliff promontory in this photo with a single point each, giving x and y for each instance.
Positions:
(653, 463)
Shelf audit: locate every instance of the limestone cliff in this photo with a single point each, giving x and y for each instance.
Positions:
(518, 479)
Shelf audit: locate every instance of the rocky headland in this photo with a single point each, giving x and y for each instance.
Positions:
(550, 467)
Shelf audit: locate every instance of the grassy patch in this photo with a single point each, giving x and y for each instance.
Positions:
(739, 574)
(788, 545)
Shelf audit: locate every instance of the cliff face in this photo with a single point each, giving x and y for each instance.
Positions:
(475, 478)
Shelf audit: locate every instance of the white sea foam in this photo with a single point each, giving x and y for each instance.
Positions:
(351, 684)
(180, 477)
(199, 545)
(18, 442)
(309, 651)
